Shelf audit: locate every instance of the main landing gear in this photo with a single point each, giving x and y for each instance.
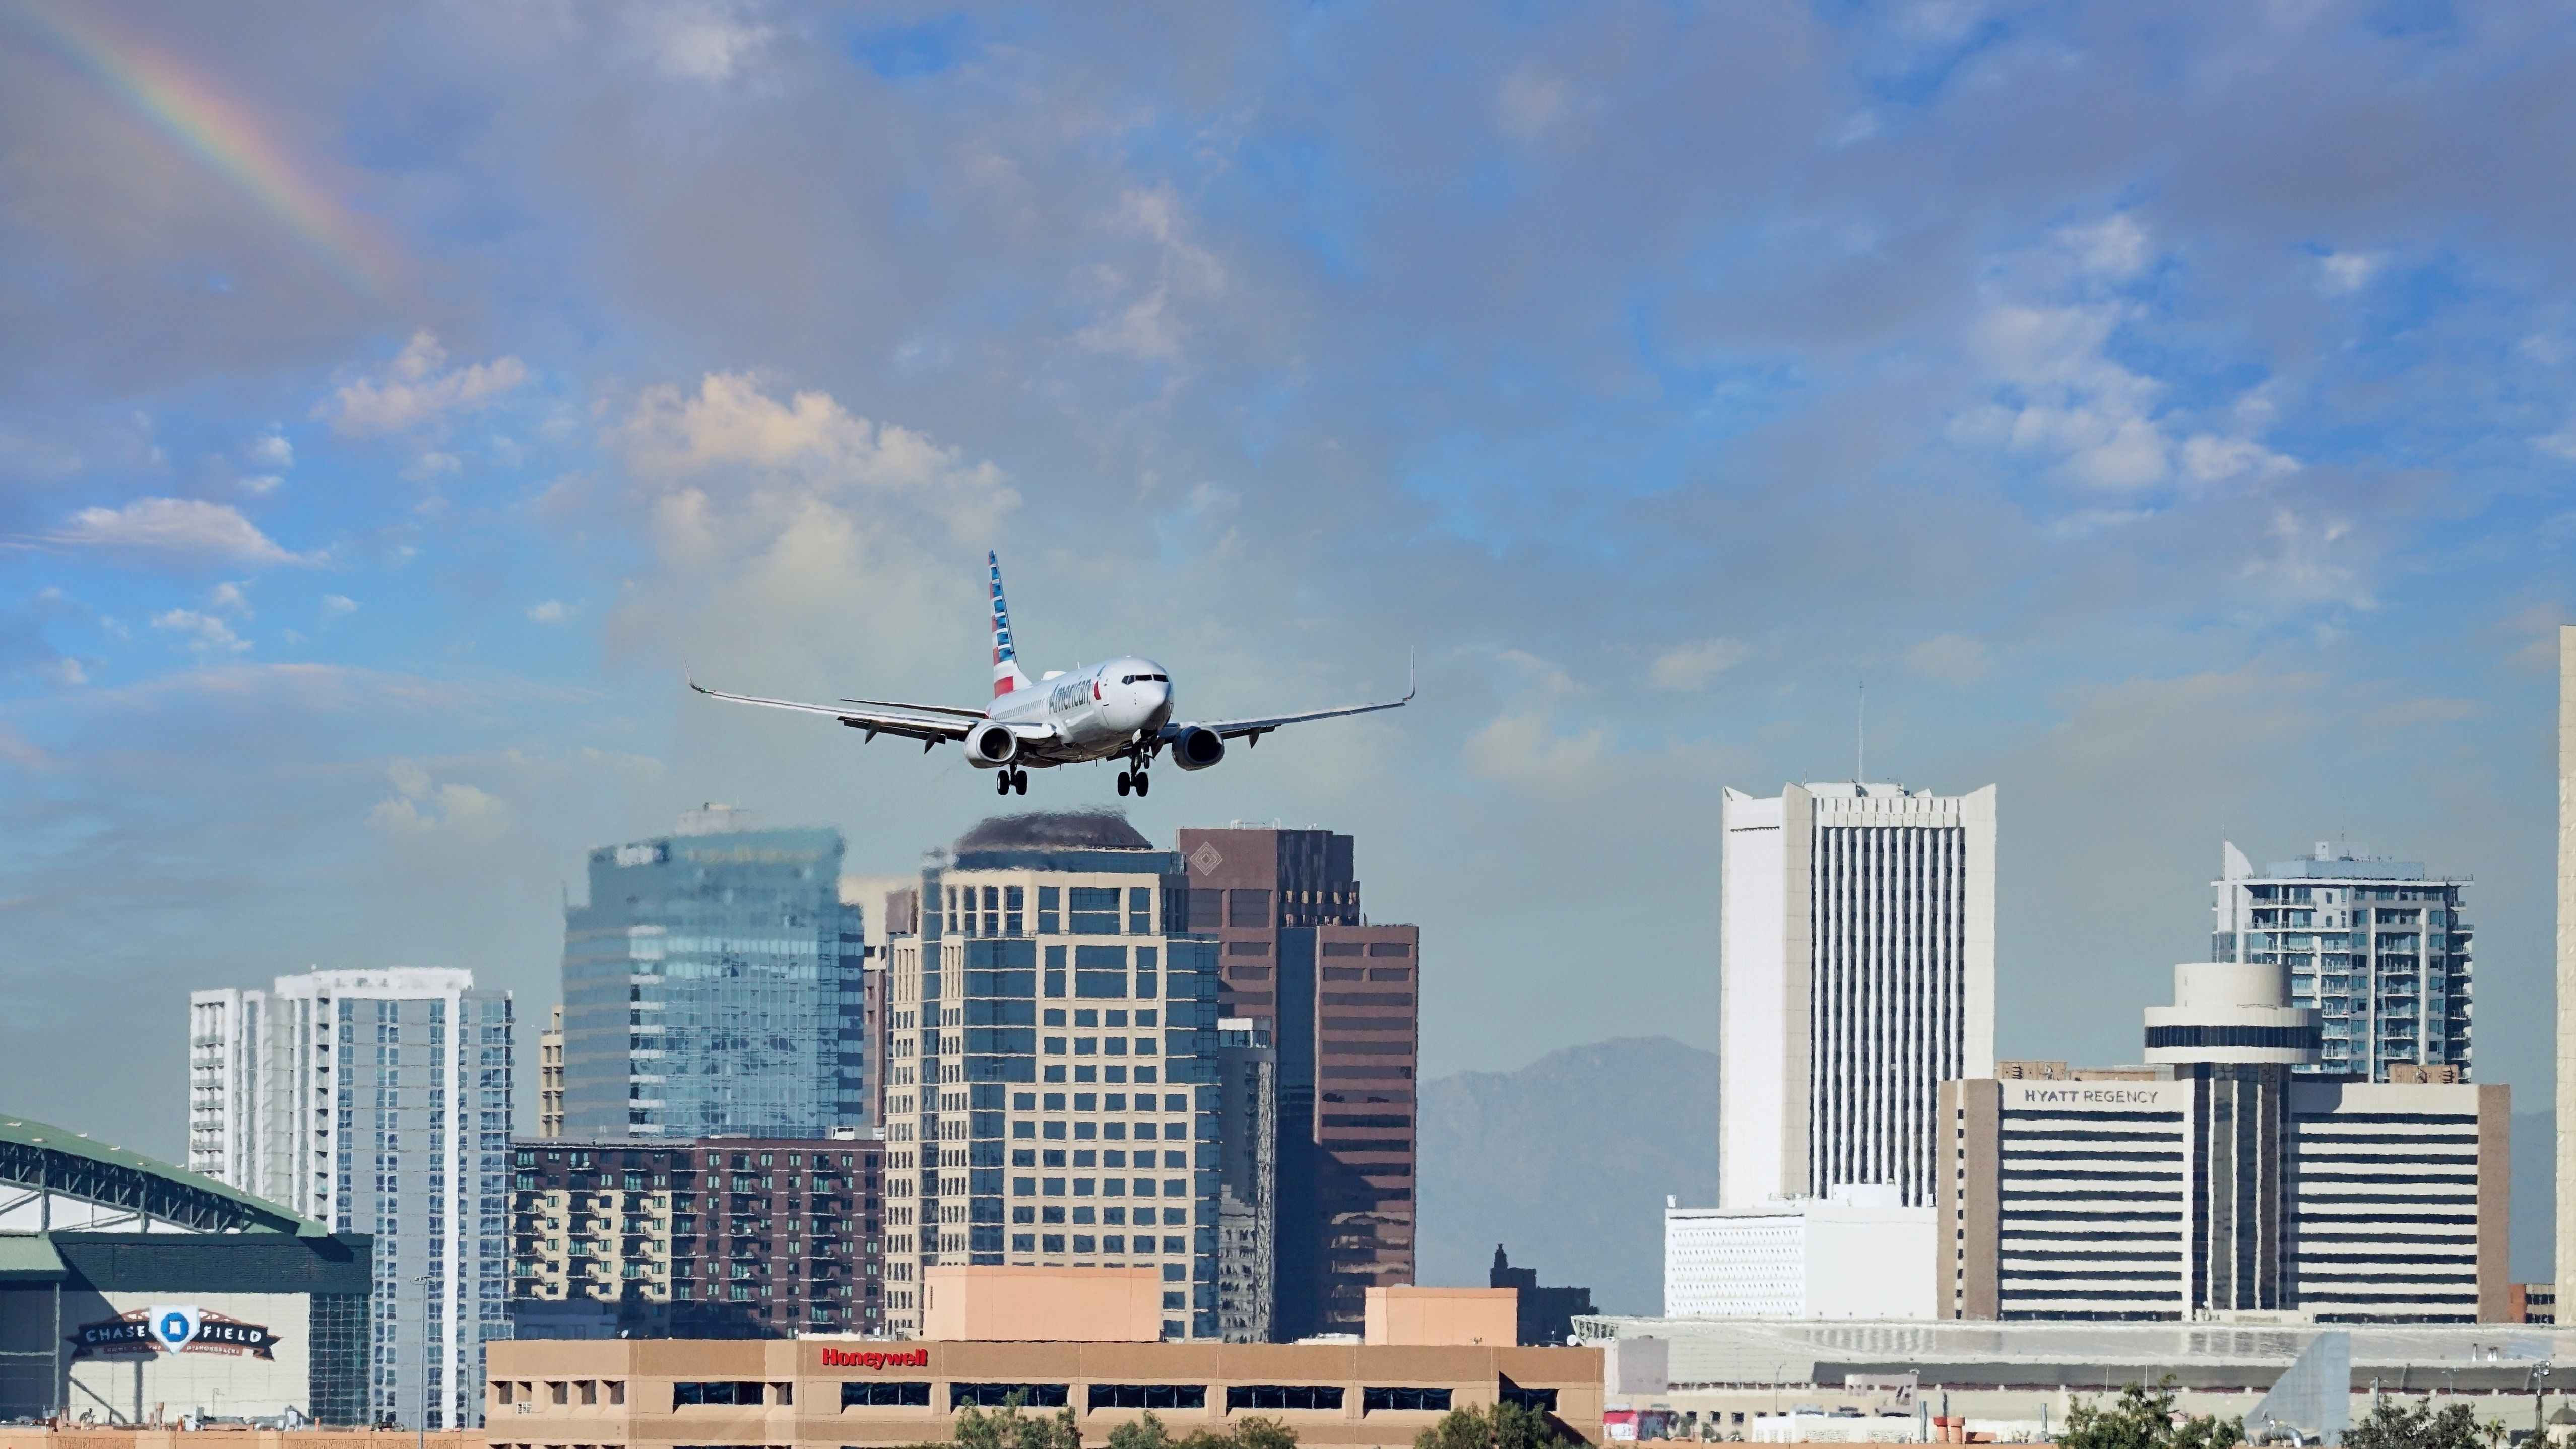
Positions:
(1136, 780)
(1011, 781)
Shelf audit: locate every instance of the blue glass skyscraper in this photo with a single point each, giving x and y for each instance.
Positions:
(713, 985)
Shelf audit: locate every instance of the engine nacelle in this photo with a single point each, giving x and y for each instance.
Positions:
(1197, 748)
(991, 746)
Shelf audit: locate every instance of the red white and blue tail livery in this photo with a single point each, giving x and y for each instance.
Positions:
(1117, 710)
(1007, 677)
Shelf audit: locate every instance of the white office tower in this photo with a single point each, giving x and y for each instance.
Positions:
(1856, 974)
(376, 1102)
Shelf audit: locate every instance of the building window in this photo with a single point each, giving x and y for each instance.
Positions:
(885, 1395)
(994, 1396)
(723, 1391)
(1374, 1400)
(1095, 911)
(1281, 1396)
(1541, 1400)
(1149, 1396)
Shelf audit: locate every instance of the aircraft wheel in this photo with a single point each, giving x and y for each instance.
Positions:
(1002, 783)
(1143, 781)
(1124, 781)
(1019, 782)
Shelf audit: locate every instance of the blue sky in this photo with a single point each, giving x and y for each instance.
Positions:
(2167, 414)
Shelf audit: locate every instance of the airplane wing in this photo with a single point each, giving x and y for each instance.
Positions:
(1251, 730)
(912, 722)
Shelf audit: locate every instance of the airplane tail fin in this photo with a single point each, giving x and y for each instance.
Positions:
(1006, 663)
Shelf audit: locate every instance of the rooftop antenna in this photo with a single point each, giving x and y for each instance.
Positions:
(1860, 752)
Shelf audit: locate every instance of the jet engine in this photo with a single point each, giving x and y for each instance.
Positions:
(1197, 748)
(990, 746)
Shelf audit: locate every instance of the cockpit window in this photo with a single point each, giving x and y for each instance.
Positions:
(1126, 679)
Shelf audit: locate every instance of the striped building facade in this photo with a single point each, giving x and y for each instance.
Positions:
(1856, 975)
(2065, 1199)
(2106, 1199)
(2399, 1196)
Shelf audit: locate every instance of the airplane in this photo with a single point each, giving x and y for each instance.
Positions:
(1118, 709)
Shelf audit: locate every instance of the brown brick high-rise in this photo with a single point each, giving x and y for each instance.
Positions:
(1342, 1003)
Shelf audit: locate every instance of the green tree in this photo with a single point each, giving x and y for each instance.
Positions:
(1145, 1433)
(2418, 1427)
(2144, 1418)
(1504, 1426)
(1008, 1428)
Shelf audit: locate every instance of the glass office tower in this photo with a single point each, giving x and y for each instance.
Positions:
(712, 986)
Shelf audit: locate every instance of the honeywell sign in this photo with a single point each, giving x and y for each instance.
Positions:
(876, 1358)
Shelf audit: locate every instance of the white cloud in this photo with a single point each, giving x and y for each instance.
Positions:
(2115, 247)
(731, 467)
(2211, 459)
(202, 632)
(2341, 272)
(261, 484)
(176, 525)
(2560, 444)
(421, 806)
(431, 465)
(229, 599)
(338, 605)
(552, 611)
(272, 451)
(699, 41)
(1950, 658)
(1692, 666)
(420, 387)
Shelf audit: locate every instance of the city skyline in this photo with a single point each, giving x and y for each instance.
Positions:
(383, 438)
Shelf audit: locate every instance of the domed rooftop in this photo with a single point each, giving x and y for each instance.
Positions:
(1053, 830)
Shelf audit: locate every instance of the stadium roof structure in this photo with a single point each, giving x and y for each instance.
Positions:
(41, 1163)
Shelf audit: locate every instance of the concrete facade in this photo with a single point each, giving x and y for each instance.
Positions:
(1403, 1313)
(1857, 1254)
(822, 1393)
(967, 1301)
(1856, 974)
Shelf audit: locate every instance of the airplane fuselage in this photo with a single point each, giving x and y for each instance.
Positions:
(1095, 712)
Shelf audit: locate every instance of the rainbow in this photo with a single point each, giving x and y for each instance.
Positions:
(222, 134)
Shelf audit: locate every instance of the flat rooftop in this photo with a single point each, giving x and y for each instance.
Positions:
(2082, 1354)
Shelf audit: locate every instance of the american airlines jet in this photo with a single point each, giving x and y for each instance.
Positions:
(1121, 710)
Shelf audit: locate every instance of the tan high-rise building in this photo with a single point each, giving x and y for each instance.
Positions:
(2566, 959)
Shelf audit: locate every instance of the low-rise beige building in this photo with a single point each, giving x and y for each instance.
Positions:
(845, 1393)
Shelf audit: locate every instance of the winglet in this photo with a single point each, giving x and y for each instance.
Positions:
(1408, 676)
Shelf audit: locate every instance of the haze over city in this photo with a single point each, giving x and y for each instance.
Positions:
(2168, 420)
